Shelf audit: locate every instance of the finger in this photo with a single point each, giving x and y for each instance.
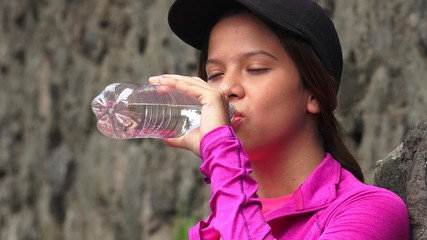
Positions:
(173, 142)
(177, 81)
(191, 86)
(168, 83)
(190, 79)
(181, 143)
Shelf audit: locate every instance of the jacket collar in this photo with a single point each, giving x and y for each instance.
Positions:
(317, 191)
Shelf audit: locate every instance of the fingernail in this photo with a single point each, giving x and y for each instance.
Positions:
(153, 78)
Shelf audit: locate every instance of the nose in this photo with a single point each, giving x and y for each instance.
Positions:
(232, 87)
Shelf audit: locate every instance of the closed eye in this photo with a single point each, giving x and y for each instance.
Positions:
(214, 76)
(258, 70)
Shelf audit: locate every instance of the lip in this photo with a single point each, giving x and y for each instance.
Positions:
(237, 120)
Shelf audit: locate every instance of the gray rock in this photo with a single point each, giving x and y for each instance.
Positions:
(404, 172)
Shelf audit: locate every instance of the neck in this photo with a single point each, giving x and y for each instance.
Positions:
(282, 171)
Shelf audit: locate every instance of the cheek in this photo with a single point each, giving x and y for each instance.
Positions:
(281, 116)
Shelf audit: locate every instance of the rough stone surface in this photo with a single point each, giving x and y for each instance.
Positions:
(384, 91)
(404, 172)
(61, 179)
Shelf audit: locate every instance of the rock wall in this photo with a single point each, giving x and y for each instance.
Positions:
(384, 91)
(61, 179)
(404, 172)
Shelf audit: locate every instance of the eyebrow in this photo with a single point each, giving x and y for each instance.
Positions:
(246, 55)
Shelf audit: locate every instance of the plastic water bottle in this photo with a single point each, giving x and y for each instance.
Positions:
(138, 110)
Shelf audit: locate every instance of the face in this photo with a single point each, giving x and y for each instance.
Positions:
(247, 61)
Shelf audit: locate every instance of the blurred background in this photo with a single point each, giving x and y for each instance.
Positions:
(61, 179)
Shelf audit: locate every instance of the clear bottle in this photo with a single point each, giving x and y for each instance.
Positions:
(138, 110)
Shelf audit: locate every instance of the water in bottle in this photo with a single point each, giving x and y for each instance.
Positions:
(132, 110)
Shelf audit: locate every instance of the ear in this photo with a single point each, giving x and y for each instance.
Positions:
(312, 104)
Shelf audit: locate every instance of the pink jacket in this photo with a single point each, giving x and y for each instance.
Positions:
(330, 204)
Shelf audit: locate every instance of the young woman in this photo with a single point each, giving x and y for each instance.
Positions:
(279, 169)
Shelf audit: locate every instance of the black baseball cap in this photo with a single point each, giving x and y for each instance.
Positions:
(192, 20)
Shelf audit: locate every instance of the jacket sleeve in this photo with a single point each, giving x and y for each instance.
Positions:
(236, 209)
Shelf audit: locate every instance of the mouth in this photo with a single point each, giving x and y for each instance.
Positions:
(237, 119)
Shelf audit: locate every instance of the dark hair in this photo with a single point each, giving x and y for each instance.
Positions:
(316, 79)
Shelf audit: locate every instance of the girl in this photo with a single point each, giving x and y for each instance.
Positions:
(279, 169)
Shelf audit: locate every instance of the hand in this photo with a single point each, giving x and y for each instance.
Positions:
(215, 108)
